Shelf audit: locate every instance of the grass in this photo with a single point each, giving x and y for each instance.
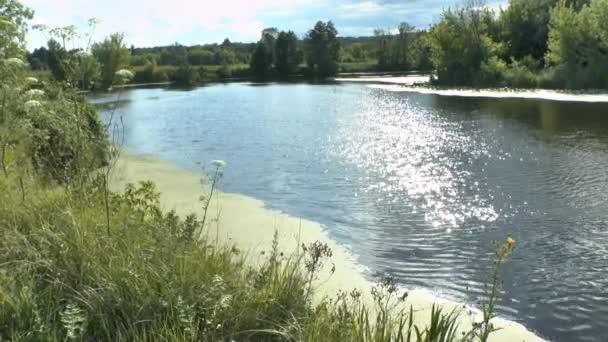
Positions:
(65, 277)
(211, 67)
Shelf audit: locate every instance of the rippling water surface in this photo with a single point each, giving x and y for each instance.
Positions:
(418, 185)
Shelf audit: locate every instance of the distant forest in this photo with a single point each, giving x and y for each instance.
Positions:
(526, 44)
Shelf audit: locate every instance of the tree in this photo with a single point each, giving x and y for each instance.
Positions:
(287, 55)
(419, 52)
(462, 41)
(578, 44)
(113, 55)
(200, 57)
(322, 49)
(186, 75)
(382, 48)
(13, 27)
(39, 58)
(87, 70)
(56, 57)
(261, 60)
(400, 57)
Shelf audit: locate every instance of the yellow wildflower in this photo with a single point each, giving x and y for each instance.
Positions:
(510, 241)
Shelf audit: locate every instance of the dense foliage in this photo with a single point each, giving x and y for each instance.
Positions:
(530, 43)
(322, 49)
(113, 55)
(527, 43)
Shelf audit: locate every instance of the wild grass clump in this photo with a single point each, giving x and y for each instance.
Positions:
(65, 277)
(152, 277)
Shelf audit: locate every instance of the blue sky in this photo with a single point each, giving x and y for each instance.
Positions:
(162, 22)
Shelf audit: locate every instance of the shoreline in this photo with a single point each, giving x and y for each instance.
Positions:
(248, 224)
(532, 94)
(419, 84)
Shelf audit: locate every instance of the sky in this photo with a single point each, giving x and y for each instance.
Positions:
(188, 22)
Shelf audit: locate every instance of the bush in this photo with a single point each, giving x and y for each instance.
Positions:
(520, 74)
(491, 73)
(186, 75)
(150, 74)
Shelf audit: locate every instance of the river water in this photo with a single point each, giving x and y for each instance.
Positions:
(418, 186)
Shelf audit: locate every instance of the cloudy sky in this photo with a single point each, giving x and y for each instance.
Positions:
(162, 22)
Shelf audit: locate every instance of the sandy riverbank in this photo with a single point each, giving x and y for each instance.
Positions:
(418, 84)
(541, 94)
(387, 79)
(248, 224)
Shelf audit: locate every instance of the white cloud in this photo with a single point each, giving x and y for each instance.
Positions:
(151, 22)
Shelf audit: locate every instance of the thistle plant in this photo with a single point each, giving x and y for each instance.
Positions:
(483, 329)
(215, 177)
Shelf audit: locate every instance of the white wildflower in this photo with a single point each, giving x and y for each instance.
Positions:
(220, 164)
(31, 80)
(32, 104)
(14, 62)
(218, 327)
(34, 93)
(124, 74)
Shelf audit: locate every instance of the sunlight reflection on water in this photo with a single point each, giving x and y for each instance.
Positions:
(417, 157)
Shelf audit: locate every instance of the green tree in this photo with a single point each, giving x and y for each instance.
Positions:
(200, 57)
(287, 55)
(261, 60)
(419, 52)
(401, 47)
(87, 71)
(13, 27)
(462, 41)
(56, 57)
(113, 55)
(526, 26)
(186, 75)
(383, 43)
(322, 49)
(578, 44)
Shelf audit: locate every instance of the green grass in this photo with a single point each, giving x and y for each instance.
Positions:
(364, 66)
(148, 276)
(211, 67)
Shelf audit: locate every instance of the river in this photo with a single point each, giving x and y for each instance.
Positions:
(418, 186)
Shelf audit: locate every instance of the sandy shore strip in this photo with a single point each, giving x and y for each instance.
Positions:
(246, 223)
(397, 80)
(540, 94)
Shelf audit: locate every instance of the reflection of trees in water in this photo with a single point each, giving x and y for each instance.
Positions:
(552, 117)
(549, 118)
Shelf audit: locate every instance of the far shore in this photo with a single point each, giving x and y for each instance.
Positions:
(249, 225)
(419, 83)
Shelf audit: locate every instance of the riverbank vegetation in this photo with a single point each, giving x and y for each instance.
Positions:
(79, 262)
(531, 43)
(559, 44)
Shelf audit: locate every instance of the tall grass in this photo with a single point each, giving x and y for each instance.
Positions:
(63, 277)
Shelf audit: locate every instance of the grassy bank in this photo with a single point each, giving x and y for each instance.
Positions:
(79, 265)
(191, 75)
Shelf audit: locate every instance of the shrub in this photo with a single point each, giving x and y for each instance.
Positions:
(186, 75)
(491, 73)
(520, 74)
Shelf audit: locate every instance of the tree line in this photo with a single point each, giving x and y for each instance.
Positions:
(526, 44)
(529, 43)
